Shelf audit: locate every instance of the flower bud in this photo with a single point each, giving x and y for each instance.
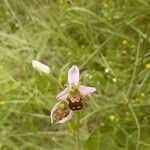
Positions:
(40, 67)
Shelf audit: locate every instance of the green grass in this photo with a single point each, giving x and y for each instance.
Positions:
(94, 35)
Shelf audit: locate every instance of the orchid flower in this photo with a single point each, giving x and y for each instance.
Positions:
(72, 95)
(74, 85)
(40, 67)
(60, 112)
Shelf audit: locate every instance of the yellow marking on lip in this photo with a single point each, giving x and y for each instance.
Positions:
(64, 114)
(54, 115)
(62, 105)
(57, 117)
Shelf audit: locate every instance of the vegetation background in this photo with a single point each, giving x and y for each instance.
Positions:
(109, 41)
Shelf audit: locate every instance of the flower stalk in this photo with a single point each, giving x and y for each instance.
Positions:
(78, 130)
(51, 78)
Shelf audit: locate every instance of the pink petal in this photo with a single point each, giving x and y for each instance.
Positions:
(85, 90)
(66, 118)
(73, 75)
(63, 95)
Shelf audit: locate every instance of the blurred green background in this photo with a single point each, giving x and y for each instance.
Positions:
(109, 41)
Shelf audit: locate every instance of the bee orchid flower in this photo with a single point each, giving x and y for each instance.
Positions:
(75, 92)
(60, 113)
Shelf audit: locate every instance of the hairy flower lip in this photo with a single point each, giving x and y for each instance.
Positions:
(64, 119)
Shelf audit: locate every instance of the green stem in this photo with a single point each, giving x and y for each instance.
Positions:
(78, 130)
(136, 121)
(53, 79)
(135, 71)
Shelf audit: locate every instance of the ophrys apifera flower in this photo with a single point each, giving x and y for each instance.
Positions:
(60, 112)
(75, 92)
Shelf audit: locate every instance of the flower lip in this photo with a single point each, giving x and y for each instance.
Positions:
(75, 104)
(73, 75)
(60, 113)
(42, 68)
(65, 119)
